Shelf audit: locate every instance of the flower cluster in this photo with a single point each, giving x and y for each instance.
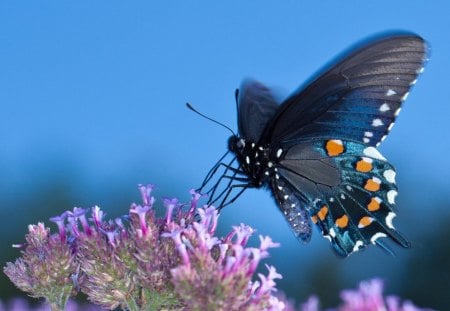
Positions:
(144, 262)
(368, 297)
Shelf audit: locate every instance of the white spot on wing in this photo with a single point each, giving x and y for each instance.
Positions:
(327, 237)
(421, 70)
(368, 134)
(368, 160)
(358, 245)
(247, 160)
(376, 236)
(279, 152)
(390, 126)
(332, 232)
(376, 180)
(342, 196)
(397, 111)
(389, 175)
(385, 107)
(404, 97)
(413, 82)
(391, 196)
(389, 218)
(366, 140)
(373, 153)
(348, 188)
(270, 164)
(377, 122)
(390, 92)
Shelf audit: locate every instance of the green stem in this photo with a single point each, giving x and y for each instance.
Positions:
(58, 301)
(132, 305)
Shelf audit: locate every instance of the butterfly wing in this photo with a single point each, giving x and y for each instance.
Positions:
(256, 106)
(357, 99)
(324, 135)
(347, 188)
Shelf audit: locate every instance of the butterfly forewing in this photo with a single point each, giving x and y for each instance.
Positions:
(256, 106)
(356, 99)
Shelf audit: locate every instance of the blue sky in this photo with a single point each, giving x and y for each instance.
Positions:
(93, 93)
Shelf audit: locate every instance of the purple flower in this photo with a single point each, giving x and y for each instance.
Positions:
(59, 220)
(44, 270)
(194, 201)
(368, 297)
(217, 273)
(146, 191)
(141, 211)
(79, 214)
(97, 215)
(170, 205)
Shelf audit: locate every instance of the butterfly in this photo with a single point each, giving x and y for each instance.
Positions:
(316, 151)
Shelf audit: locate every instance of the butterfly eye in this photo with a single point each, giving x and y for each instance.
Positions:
(235, 143)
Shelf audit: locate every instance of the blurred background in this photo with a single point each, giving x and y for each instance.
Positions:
(92, 101)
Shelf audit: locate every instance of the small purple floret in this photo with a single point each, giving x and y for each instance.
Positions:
(59, 220)
(141, 211)
(146, 191)
(170, 205)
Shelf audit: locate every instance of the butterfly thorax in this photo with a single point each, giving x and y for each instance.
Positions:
(255, 160)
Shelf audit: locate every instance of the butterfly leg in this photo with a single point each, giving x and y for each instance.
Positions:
(212, 171)
(236, 171)
(215, 187)
(229, 190)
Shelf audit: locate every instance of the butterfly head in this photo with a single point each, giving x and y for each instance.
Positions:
(236, 144)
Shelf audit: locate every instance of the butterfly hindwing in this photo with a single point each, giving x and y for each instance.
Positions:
(355, 207)
(357, 99)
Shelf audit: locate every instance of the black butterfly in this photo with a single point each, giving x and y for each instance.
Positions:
(316, 150)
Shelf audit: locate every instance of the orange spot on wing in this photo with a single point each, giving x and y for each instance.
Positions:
(363, 166)
(372, 184)
(323, 212)
(334, 147)
(342, 222)
(374, 205)
(365, 221)
(314, 219)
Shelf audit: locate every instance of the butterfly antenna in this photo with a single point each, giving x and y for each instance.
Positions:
(210, 119)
